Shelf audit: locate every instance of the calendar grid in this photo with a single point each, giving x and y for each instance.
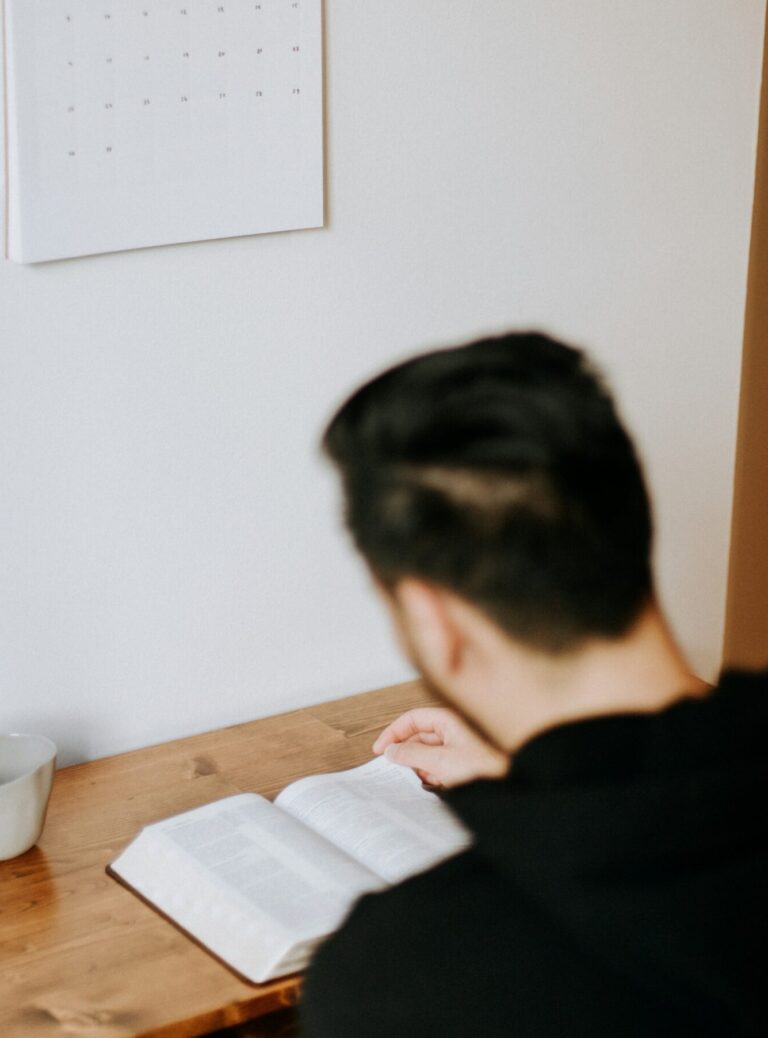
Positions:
(143, 122)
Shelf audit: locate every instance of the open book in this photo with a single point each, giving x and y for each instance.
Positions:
(260, 884)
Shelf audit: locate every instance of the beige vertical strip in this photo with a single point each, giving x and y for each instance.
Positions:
(746, 618)
(6, 118)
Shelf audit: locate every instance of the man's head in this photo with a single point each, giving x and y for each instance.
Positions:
(500, 472)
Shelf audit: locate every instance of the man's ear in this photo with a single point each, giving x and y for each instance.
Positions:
(427, 626)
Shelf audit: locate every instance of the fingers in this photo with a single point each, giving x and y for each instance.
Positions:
(403, 728)
(423, 722)
(429, 782)
(450, 762)
(415, 754)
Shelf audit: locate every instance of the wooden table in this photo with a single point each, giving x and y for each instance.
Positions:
(81, 957)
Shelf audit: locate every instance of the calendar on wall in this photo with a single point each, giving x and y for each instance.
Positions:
(132, 123)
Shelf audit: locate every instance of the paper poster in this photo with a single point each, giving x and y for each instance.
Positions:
(132, 123)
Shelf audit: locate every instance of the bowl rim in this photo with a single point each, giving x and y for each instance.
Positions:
(51, 758)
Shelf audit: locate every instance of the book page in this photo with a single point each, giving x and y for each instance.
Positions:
(247, 880)
(380, 815)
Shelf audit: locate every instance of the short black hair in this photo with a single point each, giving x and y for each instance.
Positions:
(500, 471)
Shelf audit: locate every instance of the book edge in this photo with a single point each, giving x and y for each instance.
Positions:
(251, 981)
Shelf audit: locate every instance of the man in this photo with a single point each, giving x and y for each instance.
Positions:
(617, 885)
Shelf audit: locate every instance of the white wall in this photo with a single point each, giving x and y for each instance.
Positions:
(170, 558)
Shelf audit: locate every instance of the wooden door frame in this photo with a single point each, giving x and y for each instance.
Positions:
(746, 617)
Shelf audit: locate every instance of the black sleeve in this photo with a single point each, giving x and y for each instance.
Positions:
(398, 964)
(351, 989)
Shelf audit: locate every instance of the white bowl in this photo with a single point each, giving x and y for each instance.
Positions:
(27, 764)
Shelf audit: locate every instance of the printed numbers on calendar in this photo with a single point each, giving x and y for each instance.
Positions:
(210, 108)
(153, 62)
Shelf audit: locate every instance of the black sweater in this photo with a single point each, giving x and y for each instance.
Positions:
(617, 887)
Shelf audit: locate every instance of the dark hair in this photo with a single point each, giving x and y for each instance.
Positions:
(500, 470)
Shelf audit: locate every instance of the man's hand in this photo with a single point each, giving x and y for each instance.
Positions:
(441, 747)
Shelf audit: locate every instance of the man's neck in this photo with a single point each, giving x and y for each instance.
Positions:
(526, 693)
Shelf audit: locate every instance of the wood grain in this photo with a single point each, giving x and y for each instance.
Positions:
(745, 642)
(81, 957)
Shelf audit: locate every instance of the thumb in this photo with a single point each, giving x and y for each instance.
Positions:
(415, 754)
